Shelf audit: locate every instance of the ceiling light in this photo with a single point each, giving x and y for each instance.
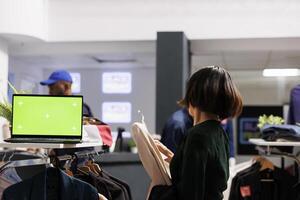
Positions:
(281, 72)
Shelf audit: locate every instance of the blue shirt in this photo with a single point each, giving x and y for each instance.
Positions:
(228, 127)
(294, 111)
(176, 128)
(178, 125)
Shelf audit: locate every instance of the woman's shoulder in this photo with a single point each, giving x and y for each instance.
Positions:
(204, 132)
(205, 128)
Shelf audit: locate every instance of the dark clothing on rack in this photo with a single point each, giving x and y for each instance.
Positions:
(176, 128)
(294, 110)
(199, 168)
(125, 187)
(100, 186)
(253, 184)
(107, 185)
(37, 188)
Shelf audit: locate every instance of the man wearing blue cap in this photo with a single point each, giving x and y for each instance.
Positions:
(60, 83)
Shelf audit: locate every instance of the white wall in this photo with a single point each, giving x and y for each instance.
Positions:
(142, 96)
(28, 18)
(26, 77)
(259, 90)
(3, 76)
(101, 20)
(3, 68)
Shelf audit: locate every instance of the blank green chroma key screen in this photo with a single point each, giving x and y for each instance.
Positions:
(47, 115)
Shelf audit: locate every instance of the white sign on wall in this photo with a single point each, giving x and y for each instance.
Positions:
(116, 112)
(76, 86)
(116, 82)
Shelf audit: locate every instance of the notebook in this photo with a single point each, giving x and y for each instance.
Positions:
(46, 119)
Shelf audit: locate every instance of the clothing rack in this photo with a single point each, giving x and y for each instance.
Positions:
(274, 151)
(56, 160)
(80, 154)
(46, 159)
(267, 148)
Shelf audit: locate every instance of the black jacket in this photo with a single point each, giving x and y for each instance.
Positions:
(107, 185)
(51, 184)
(250, 185)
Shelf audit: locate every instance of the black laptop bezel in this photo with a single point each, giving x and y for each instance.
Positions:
(45, 136)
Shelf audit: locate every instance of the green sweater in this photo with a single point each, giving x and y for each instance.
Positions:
(200, 166)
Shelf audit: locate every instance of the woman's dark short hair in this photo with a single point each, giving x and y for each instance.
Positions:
(211, 90)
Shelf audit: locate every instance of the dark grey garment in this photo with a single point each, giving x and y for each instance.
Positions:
(51, 184)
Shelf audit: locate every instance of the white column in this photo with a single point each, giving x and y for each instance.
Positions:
(3, 76)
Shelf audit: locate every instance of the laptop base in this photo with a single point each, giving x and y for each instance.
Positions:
(44, 140)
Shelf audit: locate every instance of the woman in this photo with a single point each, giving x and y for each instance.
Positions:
(200, 168)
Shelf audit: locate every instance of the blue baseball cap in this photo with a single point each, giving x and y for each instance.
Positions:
(59, 75)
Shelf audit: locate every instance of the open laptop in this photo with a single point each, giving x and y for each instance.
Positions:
(46, 119)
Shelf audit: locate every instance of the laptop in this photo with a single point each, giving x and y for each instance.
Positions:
(46, 119)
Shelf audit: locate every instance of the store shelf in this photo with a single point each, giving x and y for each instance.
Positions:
(261, 142)
(49, 145)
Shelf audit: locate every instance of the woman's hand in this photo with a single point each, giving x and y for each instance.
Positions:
(164, 150)
(101, 197)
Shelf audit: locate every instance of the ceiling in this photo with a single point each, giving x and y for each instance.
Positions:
(248, 60)
(234, 54)
(141, 60)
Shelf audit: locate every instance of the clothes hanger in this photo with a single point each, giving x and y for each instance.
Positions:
(142, 116)
(97, 168)
(3, 163)
(265, 163)
(83, 169)
(67, 167)
(89, 164)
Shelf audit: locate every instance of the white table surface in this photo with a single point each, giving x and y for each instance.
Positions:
(49, 145)
(261, 142)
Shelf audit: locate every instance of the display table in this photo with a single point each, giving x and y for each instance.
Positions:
(49, 145)
(261, 142)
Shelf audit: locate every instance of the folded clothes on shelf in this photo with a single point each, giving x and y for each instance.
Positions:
(97, 133)
(285, 132)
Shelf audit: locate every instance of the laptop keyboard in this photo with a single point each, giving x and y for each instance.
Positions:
(44, 140)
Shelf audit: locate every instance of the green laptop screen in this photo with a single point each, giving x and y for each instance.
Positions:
(47, 115)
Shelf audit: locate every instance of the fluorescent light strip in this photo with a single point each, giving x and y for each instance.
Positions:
(281, 72)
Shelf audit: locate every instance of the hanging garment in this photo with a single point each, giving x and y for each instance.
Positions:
(100, 186)
(233, 171)
(121, 183)
(114, 189)
(294, 111)
(51, 184)
(254, 184)
(152, 160)
(109, 186)
(8, 177)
